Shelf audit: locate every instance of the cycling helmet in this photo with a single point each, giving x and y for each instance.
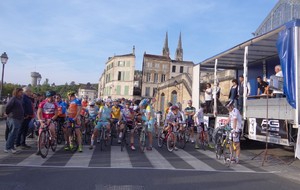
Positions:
(190, 102)
(144, 102)
(50, 93)
(92, 103)
(170, 104)
(174, 108)
(108, 100)
(71, 93)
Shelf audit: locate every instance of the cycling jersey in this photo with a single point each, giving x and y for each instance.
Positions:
(199, 116)
(84, 104)
(127, 114)
(171, 117)
(48, 109)
(92, 111)
(116, 112)
(235, 114)
(73, 106)
(105, 113)
(61, 108)
(190, 110)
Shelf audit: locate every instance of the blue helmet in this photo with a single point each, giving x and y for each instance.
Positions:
(144, 102)
(50, 93)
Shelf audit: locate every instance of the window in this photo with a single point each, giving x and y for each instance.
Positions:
(147, 91)
(126, 90)
(164, 67)
(118, 90)
(119, 75)
(173, 69)
(149, 64)
(181, 69)
(155, 77)
(174, 97)
(127, 74)
(154, 92)
(127, 63)
(163, 78)
(148, 77)
(121, 63)
(156, 65)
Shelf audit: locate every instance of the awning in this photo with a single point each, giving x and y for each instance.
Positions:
(260, 48)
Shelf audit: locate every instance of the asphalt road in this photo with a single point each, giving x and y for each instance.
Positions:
(31, 178)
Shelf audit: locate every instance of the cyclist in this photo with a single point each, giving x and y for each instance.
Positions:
(235, 120)
(190, 112)
(116, 116)
(61, 116)
(200, 126)
(47, 113)
(74, 114)
(148, 117)
(128, 117)
(104, 117)
(172, 121)
(84, 104)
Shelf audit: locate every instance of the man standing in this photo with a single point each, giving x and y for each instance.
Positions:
(263, 87)
(28, 115)
(190, 111)
(278, 93)
(15, 115)
(241, 93)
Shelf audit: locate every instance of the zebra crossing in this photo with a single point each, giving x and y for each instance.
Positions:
(112, 157)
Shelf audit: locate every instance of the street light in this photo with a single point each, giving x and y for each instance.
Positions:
(4, 59)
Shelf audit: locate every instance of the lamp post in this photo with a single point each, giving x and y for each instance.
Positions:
(4, 59)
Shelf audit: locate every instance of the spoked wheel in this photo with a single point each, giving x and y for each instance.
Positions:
(143, 141)
(60, 136)
(53, 144)
(74, 142)
(43, 144)
(123, 139)
(87, 134)
(187, 136)
(202, 142)
(171, 142)
(160, 139)
(181, 140)
(103, 140)
(219, 148)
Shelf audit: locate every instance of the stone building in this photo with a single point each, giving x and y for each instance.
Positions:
(117, 80)
(87, 91)
(166, 79)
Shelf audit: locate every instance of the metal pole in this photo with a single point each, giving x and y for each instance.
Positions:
(245, 82)
(2, 82)
(215, 89)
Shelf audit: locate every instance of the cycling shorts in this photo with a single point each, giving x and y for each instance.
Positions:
(77, 124)
(101, 124)
(201, 127)
(150, 125)
(129, 124)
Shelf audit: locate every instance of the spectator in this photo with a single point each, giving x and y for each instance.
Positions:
(208, 97)
(28, 115)
(241, 93)
(278, 93)
(15, 116)
(216, 91)
(233, 94)
(263, 87)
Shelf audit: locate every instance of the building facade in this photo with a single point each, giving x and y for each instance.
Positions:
(166, 79)
(117, 80)
(87, 91)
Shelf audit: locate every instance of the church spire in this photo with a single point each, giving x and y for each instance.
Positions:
(179, 50)
(166, 51)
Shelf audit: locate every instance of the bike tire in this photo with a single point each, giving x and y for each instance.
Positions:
(160, 139)
(101, 143)
(181, 140)
(171, 142)
(142, 141)
(74, 142)
(60, 135)
(43, 146)
(123, 139)
(87, 134)
(202, 142)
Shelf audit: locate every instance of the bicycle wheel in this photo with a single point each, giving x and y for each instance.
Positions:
(187, 135)
(74, 142)
(160, 139)
(102, 136)
(171, 142)
(123, 139)
(143, 141)
(202, 142)
(227, 156)
(87, 134)
(181, 139)
(43, 146)
(219, 148)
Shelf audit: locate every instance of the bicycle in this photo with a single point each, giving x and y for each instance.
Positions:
(45, 141)
(202, 138)
(74, 142)
(103, 137)
(123, 138)
(89, 130)
(224, 145)
(181, 136)
(168, 139)
(142, 134)
(59, 130)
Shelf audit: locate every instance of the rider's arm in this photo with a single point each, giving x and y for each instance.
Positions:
(55, 114)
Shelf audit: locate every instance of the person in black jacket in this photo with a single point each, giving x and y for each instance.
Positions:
(15, 115)
(28, 115)
(233, 94)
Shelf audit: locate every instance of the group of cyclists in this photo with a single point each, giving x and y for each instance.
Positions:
(124, 114)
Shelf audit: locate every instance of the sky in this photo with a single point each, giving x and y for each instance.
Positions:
(71, 40)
